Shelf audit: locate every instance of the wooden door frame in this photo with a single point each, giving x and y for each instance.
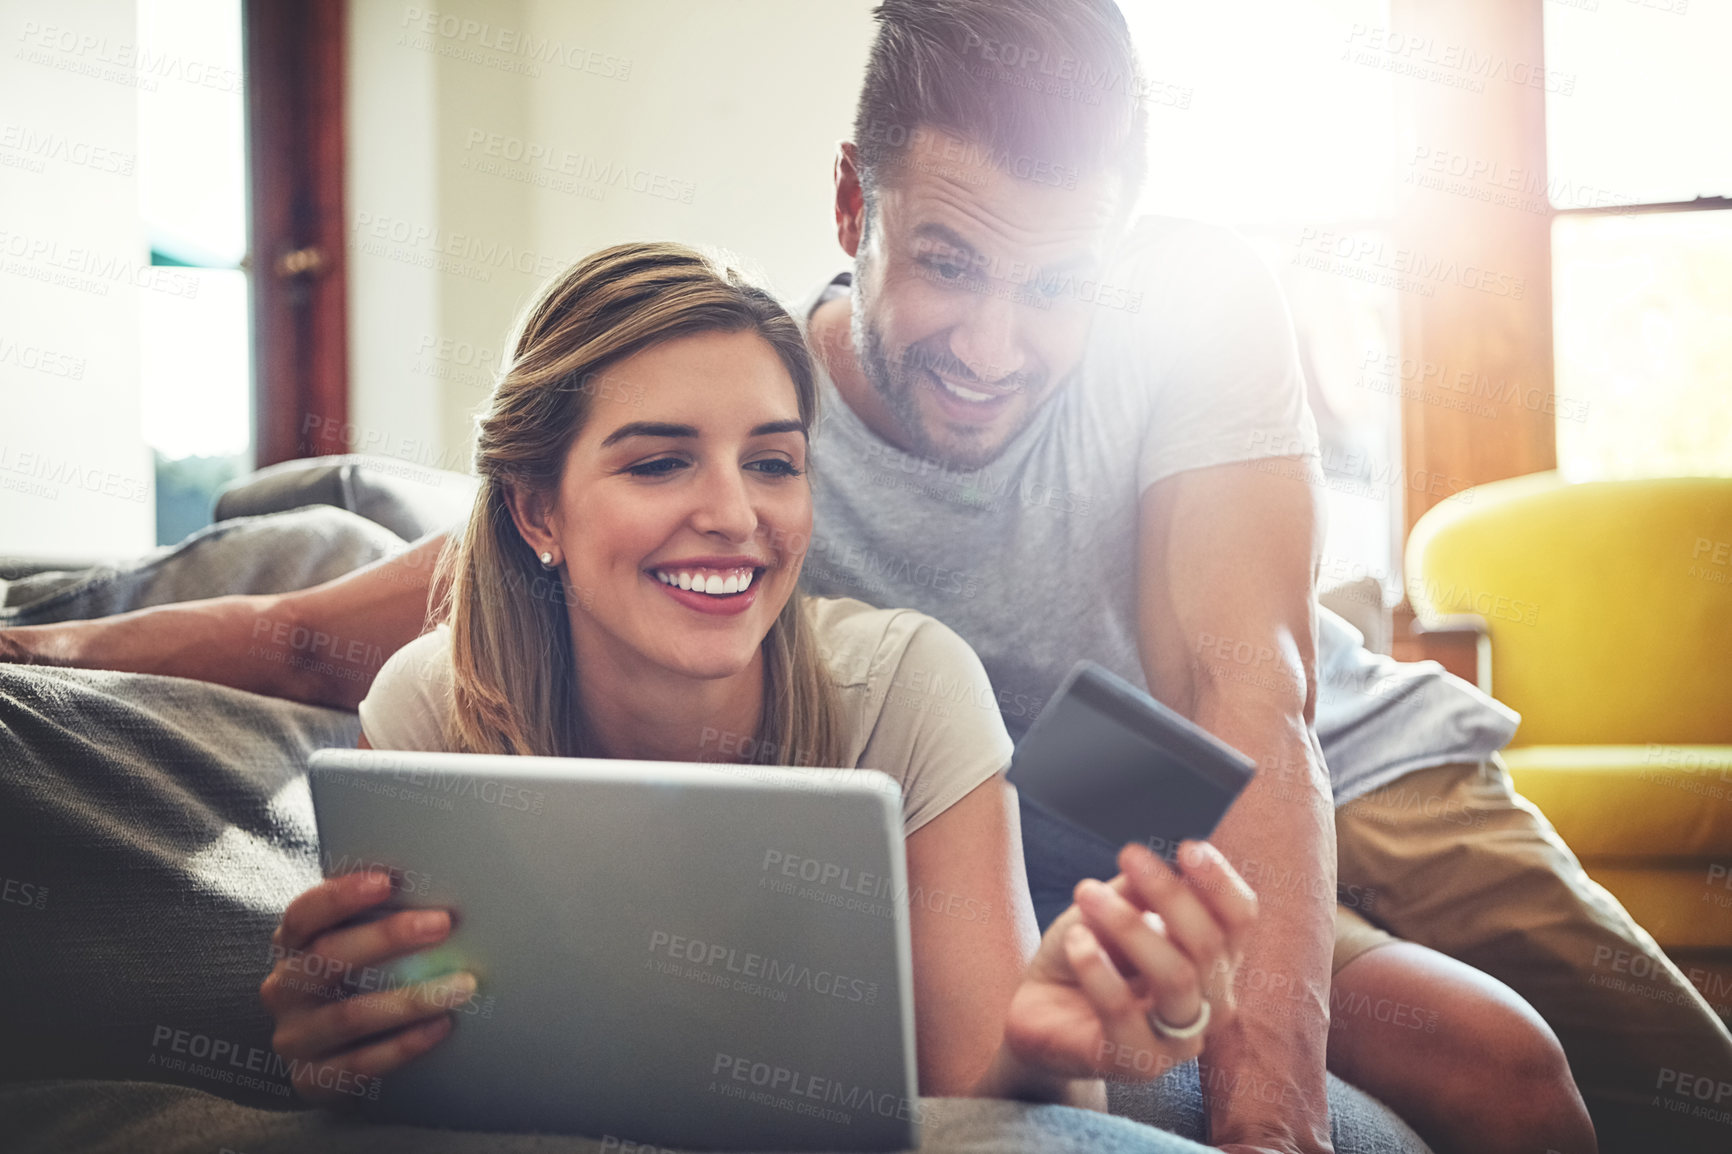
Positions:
(294, 52)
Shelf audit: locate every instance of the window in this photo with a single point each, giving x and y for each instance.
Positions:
(1640, 169)
(1260, 119)
(194, 347)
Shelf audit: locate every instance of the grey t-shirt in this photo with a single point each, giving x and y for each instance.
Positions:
(1191, 362)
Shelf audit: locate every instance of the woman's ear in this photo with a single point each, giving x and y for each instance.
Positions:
(530, 513)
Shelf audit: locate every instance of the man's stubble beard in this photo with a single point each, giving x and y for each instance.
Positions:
(899, 385)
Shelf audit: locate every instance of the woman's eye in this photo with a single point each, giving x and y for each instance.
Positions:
(776, 467)
(660, 467)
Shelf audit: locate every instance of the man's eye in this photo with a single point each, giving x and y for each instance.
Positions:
(776, 467)
(1050, 287)
(660, 467)
(948, 270)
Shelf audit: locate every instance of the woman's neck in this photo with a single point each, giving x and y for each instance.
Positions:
(639, 711)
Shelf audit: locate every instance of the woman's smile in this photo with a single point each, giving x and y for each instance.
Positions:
(722, 586)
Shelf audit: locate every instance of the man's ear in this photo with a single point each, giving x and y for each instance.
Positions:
(850, 199)
(530, 513)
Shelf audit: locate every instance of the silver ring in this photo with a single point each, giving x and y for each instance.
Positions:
(1172, 1033)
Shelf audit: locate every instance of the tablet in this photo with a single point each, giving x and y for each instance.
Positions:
(1106, 757)
(706, 956)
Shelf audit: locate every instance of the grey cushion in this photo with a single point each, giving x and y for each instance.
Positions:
(410, 500)
(161, 826)
(273, 554)
(134, 1118)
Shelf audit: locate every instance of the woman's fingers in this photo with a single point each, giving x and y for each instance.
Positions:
(1189, 921)
(339, 1026)
(350, 958)
(1172, 979)
(1129, 1040)
(329, 903)
(1221, 888)
(346, 1077)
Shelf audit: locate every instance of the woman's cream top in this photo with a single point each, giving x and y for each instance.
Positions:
(916, 702)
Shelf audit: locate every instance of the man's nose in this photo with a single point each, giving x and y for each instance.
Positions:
(986, 340)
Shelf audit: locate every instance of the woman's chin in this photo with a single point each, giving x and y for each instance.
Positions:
(708, 666)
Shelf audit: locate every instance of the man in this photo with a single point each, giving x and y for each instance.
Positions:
(1067, 435)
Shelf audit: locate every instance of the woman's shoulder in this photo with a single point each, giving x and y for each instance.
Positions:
(860, 642)
(920, 704)
(427, 658)
(407, 704)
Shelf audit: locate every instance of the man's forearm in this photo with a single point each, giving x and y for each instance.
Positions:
(1263, 1077)
(204, 640)
(321, 645)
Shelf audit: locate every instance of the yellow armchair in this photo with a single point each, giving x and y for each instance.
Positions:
(1608, 607)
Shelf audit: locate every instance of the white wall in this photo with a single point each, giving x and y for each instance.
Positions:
(75, 476)
(498, 164)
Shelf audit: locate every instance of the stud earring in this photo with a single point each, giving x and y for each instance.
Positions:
(547, 560)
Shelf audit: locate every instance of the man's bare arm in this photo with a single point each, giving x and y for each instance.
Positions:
(1227, 560)
(321, 645)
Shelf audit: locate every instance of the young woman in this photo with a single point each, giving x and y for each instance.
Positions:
(626, 587)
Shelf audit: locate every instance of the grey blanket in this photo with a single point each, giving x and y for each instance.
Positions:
(151, 831)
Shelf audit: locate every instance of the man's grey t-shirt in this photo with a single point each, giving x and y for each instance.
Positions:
(1191, 362)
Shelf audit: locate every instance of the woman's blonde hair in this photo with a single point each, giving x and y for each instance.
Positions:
(511, 650)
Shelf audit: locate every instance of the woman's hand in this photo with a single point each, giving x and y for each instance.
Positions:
(1150, 941)
(339, 1021)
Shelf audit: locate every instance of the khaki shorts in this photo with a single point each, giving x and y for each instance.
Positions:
(1354, 936)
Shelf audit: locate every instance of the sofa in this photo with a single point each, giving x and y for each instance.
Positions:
(152, 829)
(1608, 611)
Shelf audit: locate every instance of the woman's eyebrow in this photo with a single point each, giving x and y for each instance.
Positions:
(648, 429)
(769, 427)
(667, 429)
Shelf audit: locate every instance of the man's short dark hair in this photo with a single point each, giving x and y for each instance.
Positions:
(1046, 89)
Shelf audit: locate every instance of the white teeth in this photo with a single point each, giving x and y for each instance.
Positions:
(965, 394)
(715, 584)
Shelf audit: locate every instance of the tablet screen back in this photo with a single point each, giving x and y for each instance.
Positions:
(685, 955)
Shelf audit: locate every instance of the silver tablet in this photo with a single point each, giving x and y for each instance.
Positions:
(707, 956)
